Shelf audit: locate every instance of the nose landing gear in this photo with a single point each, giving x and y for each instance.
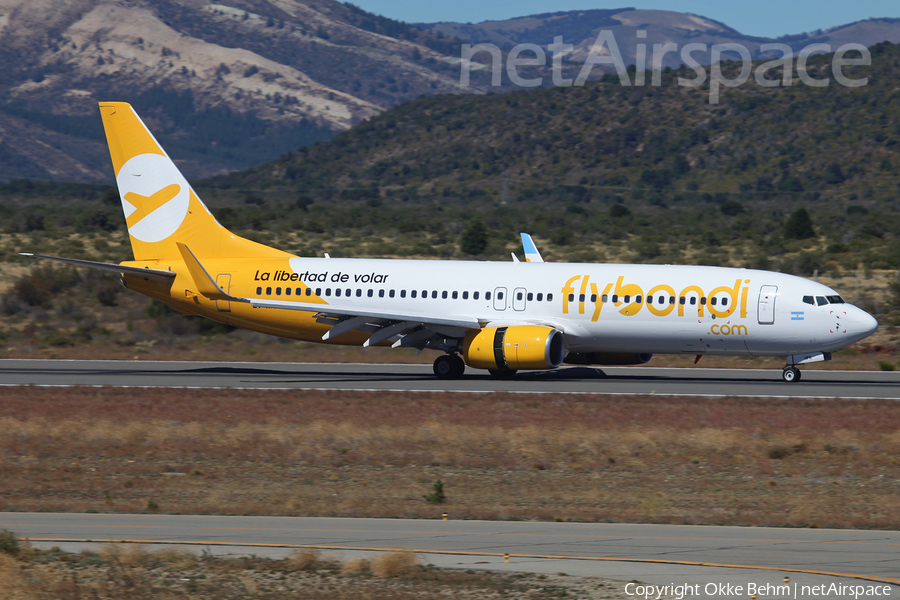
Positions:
(791, 374)
(449, 366)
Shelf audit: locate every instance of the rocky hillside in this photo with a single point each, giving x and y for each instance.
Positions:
(276, 74)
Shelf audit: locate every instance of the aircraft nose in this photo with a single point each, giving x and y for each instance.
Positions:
(864, 323)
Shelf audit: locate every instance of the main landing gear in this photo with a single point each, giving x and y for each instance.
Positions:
(449, 366)
(791, 374)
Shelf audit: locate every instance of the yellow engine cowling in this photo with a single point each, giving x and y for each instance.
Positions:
(516, 347)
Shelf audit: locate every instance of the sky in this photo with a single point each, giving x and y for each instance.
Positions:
(764, 18)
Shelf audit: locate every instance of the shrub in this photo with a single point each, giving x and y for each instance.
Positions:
(885, 365)
(356, 565)
(778, 452)
(437, 496)
(304, 560)
(474, 239)
(9, 543)
(799, 226)
(391, 564)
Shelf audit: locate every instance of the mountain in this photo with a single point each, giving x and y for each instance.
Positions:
(580, 28)
(226, 86)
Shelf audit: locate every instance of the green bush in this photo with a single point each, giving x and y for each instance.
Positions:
(885, 365)
(437, 496)
(9, 543)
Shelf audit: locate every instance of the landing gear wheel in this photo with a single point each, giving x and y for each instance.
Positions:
(449, 367)
(791, 374)
(459, 366)
(502, 373)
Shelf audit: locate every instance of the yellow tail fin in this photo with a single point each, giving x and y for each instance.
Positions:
(160, 207)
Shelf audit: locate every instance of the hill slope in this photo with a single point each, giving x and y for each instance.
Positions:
(278, 73)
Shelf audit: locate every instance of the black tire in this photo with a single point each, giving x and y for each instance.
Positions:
(459, 366)
(502, 373)
(791, 375)
(444, 367)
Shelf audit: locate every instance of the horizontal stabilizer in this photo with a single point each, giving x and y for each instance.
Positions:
(206, 286)
(142, 271)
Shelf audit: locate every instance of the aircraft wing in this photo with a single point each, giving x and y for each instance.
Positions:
(531, 252)
(142, 271)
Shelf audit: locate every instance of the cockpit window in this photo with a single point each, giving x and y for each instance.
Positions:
(835, 300)
(821, 301)
(809, 300)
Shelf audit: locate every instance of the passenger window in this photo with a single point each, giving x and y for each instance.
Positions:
(594, 298)
(581, 297)
(381, 293)
(403, 293)
(348, 292)
(712, 301)
(278, 291)
(268, 291)
(724, 301)
(337, 292)
(370, 293)
(465, 295)
(444, 295)
(308, 291)
(474, 295)
(637, 299)
(682, 300)
(821, 301)
(487, 295)
(391, 293)
(412, 294)
(571, 297)
(455, 295)
(649, 299)
(703, 301)
(287, 291)
(519, 296)
(358, 293)
(434, 294)
(259, 291)
(615, 298)
(529, 296)
(627, 298)
(319, 292)
(809, 300)
(672, 300)
(327, 291)
(549, 297)
(499, 295)
(540, 297)
(605, 298)
(693, 300)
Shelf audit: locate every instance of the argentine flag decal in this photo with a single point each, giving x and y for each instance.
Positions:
(796, 315)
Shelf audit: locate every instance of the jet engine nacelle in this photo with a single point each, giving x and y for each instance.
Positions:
(515, 347)
(607, 358)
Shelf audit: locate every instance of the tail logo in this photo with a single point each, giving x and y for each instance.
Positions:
(155, 197)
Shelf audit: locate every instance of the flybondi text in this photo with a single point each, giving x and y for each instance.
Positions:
(605, 51)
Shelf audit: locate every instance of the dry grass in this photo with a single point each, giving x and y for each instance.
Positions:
(304, 560)
(166, 575)
(658, 459)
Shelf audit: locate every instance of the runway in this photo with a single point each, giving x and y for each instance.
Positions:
(576, 380)
(660, 554)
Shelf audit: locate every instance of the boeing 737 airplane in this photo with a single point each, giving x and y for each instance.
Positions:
(502, 317)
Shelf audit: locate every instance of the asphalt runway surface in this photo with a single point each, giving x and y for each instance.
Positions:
(659, 554)
(603, 380)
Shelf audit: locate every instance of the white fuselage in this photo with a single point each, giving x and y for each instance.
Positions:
(599, 307)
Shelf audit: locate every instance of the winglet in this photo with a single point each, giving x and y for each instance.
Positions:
(531, 251)
(202, 279)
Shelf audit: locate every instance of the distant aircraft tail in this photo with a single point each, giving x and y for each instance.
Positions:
(161, 209)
